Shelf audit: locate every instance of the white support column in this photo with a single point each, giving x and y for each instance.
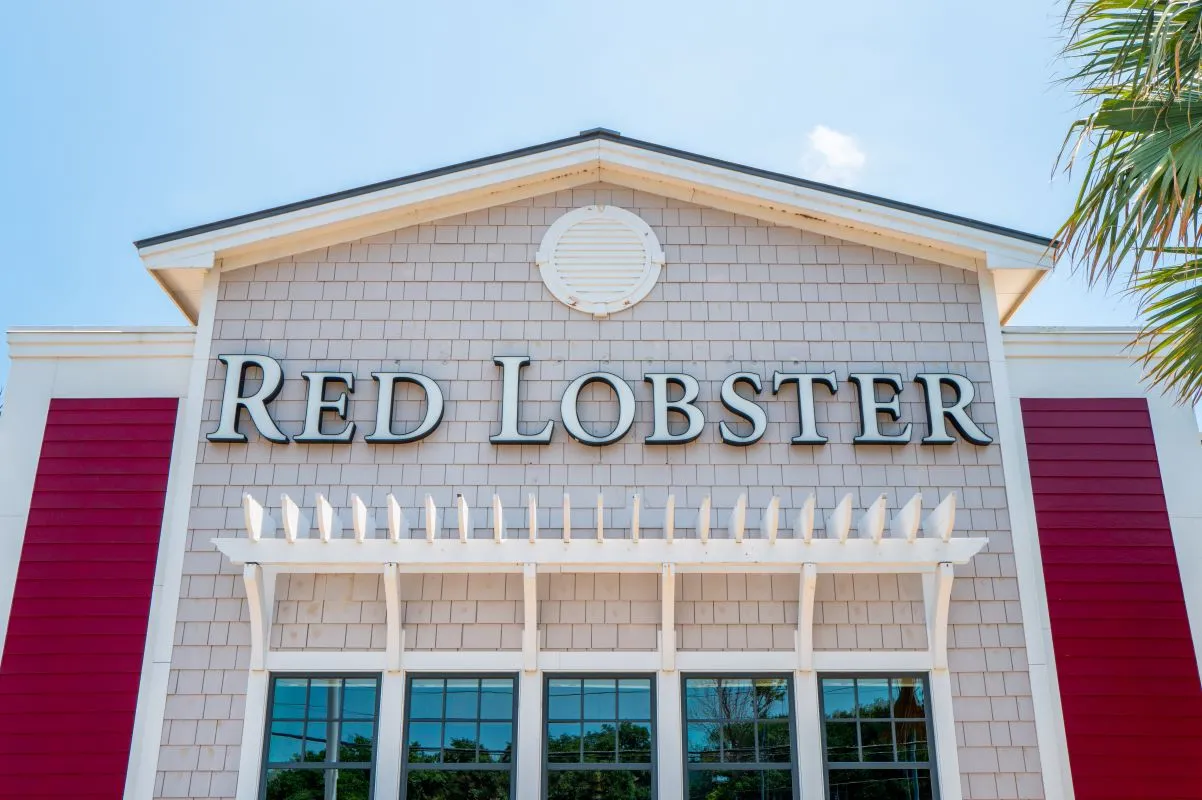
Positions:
(805, 617)
(529, 742)
(668, 733)
(805, 688)
(937, 598)
(1045, 691)
(257, 602)
(390, 726)
(254, 721)
(809, 734)
(530, 618)
(389, 735)
(947, 756)
(667, 634)
(394, 637)
(173, 538)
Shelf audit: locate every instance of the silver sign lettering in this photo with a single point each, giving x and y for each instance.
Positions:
(511, 367)
(570, 413)
(947, 398)
(661, 405)
(957, 412)
(745, 408)
(806, 416)
(871, 407)
(386, 407)
(316, 406)
(234, 399)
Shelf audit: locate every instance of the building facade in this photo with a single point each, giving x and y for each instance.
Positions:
(596, 469)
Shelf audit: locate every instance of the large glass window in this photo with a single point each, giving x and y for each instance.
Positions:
(876, 738)
(739, 740)
(321, 735)
(459, 738)
(600, 741)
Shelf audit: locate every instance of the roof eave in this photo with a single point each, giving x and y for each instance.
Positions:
(589, 157)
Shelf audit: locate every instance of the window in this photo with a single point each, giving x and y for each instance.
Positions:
(739, 742)
(875, 738)
(459, 735)
(320, 738)
(600, 741)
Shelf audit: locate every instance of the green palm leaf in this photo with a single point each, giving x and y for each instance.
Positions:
(1138, 66)
(1173, 331)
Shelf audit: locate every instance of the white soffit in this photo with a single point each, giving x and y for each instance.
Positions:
(600, 259)
(179, 259)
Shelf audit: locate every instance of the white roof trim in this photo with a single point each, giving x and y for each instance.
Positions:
(1070, 342)
(853, 218)
(101, 342)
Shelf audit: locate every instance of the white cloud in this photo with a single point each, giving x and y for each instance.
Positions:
(832, 157)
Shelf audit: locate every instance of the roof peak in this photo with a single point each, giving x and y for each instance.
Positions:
(180, 260)
(586, 135)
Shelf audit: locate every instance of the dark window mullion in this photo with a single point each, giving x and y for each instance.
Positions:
(460, 767)
(333, 719)
(479, 708)
(474, 764)
(866, 768)
(720, 765)
(622, 766)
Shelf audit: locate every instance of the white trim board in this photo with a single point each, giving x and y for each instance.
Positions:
(262, 238)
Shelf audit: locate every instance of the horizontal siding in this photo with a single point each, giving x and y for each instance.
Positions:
(72, 659)
(1125, 659)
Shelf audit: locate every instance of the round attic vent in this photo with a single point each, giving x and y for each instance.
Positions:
(600, 259)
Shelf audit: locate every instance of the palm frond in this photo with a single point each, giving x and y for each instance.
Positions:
(1172, 332)
(1141, 191)
(1137, 64)
(1138, 46)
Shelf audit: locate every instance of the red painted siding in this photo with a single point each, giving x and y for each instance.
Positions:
(1128, 678)
(73, 655)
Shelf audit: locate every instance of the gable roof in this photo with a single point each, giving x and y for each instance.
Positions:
(180, 258)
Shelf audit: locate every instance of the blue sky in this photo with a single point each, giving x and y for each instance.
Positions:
(127, 119)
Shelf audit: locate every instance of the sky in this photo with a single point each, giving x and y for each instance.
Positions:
(121, 120)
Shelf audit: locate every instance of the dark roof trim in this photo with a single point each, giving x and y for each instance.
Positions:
(585, 136)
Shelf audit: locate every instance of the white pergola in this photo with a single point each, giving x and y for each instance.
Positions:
(873, 543)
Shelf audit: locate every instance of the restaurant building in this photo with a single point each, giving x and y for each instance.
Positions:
(596, 469)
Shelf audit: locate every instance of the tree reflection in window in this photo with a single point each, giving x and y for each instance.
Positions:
(459, 738)
(599, 738)
(739, 742)
(876, 742)
(320, 738)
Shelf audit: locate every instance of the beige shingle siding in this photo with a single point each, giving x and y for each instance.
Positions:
(736, 294)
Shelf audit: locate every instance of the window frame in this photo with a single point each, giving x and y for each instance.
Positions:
(794, 763)
(653, 767)
(265, 766)
(406, 721)
(932, 762)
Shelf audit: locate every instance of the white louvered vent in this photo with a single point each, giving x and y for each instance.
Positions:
(600, 259)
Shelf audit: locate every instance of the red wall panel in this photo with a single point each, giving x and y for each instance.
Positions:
(1125, 658)
(72, 659)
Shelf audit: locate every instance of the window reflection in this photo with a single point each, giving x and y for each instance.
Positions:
(604, 722)
(459, 738)
(876, 738)
(320, 738)
(738, 721)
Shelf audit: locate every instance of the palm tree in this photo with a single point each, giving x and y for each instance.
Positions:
(1137, 64)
